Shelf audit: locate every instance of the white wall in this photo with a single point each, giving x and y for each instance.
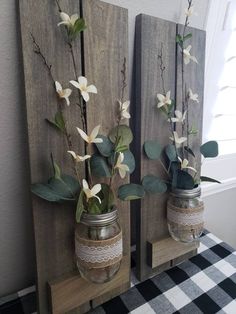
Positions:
(17, 269)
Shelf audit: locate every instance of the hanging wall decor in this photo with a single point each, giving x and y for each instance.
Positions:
(75, 53)
(169, 87)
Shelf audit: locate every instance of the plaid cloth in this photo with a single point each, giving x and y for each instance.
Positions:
(204, 284)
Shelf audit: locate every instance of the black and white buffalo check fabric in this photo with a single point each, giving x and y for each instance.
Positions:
(204, 284)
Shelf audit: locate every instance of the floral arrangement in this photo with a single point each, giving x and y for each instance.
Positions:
(105, 157)
(178, 158)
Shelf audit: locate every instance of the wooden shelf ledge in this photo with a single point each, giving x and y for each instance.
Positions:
(70, 292)
(165, 250)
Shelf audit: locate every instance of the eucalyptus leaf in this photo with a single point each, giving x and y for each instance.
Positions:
(207, 179)
(184, 180)
(130, 192)
(99, 166)
(80, 206)
(152, 149)
(45, 192)
(129, 160)
(106, 147)
(171, 152)
(121, 135)
(209, 149)
(153, 184)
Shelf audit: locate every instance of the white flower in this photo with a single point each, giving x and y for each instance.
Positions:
(179, 117)
(187, 55)
(184, 164)
(192, 96)
(163, 100)
(91, 193)
(92, 138)
(67, 20)
(189, 12)
(84, 89)
(178, 140)
(77, 157)
(124, 109)
(122, 168)
(63, 93)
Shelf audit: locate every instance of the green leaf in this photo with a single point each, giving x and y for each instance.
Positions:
(129, 192)
(57, 171)
(80, 206)
(153, 184)
(121, 149)
(61, 188)
(152, 149)
(207, 179)
(106, 147)
(187, 36)
(107, 197)
(129, 160)
(209, 149)
(171, 152)
(179, 39)
(99, 166)
(79, 25)
(60, 122)
(184, 180)
(121, 135)
(189, 150)
(72, 183)
(94, 206)
(45, 192)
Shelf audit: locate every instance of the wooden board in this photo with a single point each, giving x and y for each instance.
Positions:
(54, 224)
(165, 250)
(64, 291)
(149, 124)
(105, 48)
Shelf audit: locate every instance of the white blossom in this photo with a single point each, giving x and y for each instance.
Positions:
(122, 168)
(91, 192)
(179, 117)
(184, 164)
(67, 20)
(92, 138)
(63, 93)
(187, 55)
(78, 158)
(82, 85)
(193, 96)
(163, 100)
(178, 140)
(124, 109)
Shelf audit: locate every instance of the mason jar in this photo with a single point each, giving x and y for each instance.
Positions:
(98, 246)
(185, 214)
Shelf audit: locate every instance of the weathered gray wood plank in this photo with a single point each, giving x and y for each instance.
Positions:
(53, 224)
(105, 48)
(151, 35)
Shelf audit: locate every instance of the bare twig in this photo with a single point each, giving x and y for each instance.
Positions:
(162, 68)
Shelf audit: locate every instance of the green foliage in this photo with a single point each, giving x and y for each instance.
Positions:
(80, 206)
(209, 149)
(188, 36)
(121, 136)
(153, 184)
(59, 122)
(184, 180)
(207, 179)
(59, 188)
(107, 197)
(106, 147)
(152, 149)
(129, 192)
(171, 152)
(78, 27)
(99, 166)
(180, 39)
(129, 160)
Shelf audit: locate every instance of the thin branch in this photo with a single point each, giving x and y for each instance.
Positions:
(162, 68)
(37, 50)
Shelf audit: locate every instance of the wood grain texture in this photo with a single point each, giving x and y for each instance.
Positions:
(151, 34)
(149, 124)
(105, 47)
(53, 223)
(168, 249)
(194, 79)
(68, 294)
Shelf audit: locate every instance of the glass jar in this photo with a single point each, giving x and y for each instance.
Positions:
(185, 214)
(98, 246)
